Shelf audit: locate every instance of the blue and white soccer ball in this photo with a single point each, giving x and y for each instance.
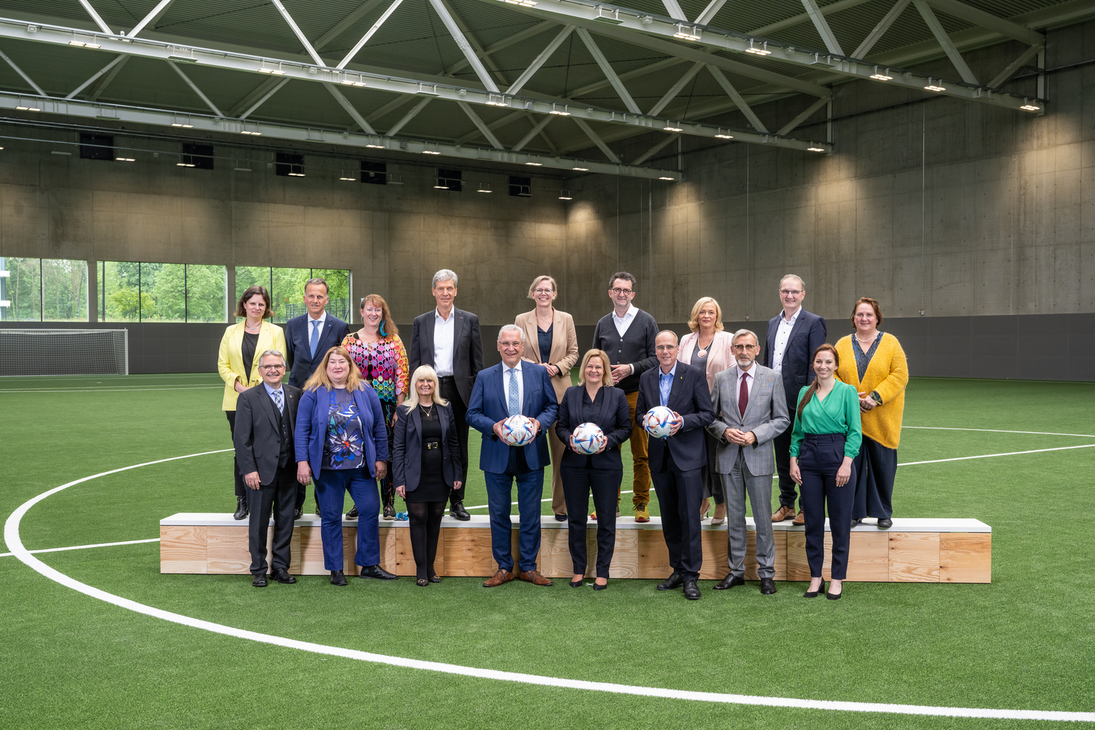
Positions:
(518, 431)
(658, 421)
(589, 438)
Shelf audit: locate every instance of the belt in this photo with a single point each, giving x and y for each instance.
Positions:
(443, 378)
(432, 444)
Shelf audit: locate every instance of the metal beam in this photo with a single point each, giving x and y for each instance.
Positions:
(823, 29)
(669, 138)
(100, 85)
(739, 102)
(95, 16)
(675, 89)
(118, 60)
(609, 72)
(1005, 75)
(369, 34)
(204, 124)
(802, 117)
(152, 17)
(987, 20)
(945, 41)
(708, 13)
(880, 29)
(388, 108)
(268, 89)
(543, 134)
(596, 140)
(540, 60)
(298, 32)
(345, 104)
(478, 122)
(462, 42)
(496, 124)
(674, 10)
(512, 40)
(475, 45)
(536, 129)
(175, 67)
(19, 71)
(343, 25)
(766, 30)
(408, 117)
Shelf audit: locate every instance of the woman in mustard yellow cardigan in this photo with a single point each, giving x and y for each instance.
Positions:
(238, 362)
(874, 363)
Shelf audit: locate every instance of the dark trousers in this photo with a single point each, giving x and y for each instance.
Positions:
(818, 460)
(530, 489)
(331, 488)
(450, 392)
(578, 482)
(280, 492)
(876, 467)
(782, 446)
(241, 488)
(425, 526)
(679, 495)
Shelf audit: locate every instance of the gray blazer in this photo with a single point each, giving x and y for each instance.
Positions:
(766, 416)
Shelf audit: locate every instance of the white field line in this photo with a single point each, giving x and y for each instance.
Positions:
(84, 547)
(14, 540)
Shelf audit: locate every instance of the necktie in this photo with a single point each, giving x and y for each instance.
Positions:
(277, 400)
(743, 395)
(514, 394)
(313, 341)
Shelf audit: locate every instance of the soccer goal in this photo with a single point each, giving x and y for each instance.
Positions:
(64, 352)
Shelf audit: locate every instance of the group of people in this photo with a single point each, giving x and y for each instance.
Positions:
(380, 419)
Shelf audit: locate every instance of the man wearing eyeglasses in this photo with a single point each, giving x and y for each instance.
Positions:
(265, 418)
(627, 334)
(793, 335)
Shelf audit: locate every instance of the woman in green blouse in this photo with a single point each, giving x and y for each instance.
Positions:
(824, 442)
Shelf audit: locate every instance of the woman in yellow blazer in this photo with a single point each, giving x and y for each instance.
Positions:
(238, 362)
(875, 365)
(550, 341)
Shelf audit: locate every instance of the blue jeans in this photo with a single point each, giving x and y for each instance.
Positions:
(331, 488)
(530, 489)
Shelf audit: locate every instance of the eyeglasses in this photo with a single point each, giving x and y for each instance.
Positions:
(271, 367)
(543, 291)
(618, 291)
(796, 292)
(744, 347)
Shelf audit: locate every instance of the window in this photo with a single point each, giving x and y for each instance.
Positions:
(197, 155)
(449, 180)
(520, 187)
(286, 287)
(96, 146)
(374, 173)
(289, 165)
(43, 290)
(152, 292)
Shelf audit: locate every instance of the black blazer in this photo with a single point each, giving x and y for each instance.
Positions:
(256, 436)
(611, 414)
(299, 357)
(688, 397)
(806, 336)
(467, 345)
(407, 452)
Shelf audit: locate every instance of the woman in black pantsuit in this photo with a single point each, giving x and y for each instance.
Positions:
(593, 401)
(426, 466)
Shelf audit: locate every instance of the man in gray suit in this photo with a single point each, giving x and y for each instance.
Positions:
(750, 410)
(265, 418)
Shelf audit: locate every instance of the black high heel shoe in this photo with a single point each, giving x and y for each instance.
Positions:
(422, 582)
(433, 578)
(600, 586)
(576, 583)
(813, 594)
(836, 596)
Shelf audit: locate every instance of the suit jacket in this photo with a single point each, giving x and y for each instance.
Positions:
(230, 358)
(719, 355)
(611, 414)
(488, 407)
(407, 449)
(311, 429)
(766, 416)
(467, 348)
(690, 398)
(297, 332)
(806, 336)
(256, 435)
(564, 346)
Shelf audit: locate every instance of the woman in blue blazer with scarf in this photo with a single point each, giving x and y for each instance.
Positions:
(340, 440)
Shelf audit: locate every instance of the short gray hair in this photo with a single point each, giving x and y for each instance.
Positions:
(510, 328)
(444, 275)
(793, 276)
(278, 353)
(740, 333)
(318, 281)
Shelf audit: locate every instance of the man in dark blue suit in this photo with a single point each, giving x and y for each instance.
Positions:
(513, 387)
(676, 461)
(793, 335)
(307, 339)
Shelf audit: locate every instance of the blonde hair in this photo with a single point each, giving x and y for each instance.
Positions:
(538, 280)
(320, 377)
(606, 376)
(427, 372)
(693, 319)
(387, 326)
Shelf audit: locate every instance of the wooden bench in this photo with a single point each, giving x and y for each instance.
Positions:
(913, 550)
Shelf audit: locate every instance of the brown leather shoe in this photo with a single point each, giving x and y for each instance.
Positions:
(502, 576)
(783, 513)
(800, 519)
(533, 577)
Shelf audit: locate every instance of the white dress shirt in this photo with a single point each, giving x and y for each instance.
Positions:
(783, 334)
(444, 332)
(622, 323)
(520, 384)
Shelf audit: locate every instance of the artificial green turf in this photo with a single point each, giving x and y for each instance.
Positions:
(1024, 641)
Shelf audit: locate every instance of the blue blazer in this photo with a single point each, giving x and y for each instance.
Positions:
(611, 413)
(311, 429)
(689, 397)
(488, 407)
(407, 451)
(299, 355)
(806, 336)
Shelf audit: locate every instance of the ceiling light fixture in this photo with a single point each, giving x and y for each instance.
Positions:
(275, 71)
(721, 134)
(496, 99)
(815, 149)
(1027, 107)
(564, 112)
(666, 177)
(932, 86)
(763, 51)
(484, 188)
(530, 163)
(688, 34)
(565, 195)
(124, 159)
(879, 76)
(580, 169)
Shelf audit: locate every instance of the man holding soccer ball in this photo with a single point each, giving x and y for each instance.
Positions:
(676, 459)
(513, 404)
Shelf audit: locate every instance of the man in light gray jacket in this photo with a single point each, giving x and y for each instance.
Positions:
(750, 411)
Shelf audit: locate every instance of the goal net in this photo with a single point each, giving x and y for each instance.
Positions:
(64, 352)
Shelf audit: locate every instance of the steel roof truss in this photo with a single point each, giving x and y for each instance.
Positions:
(823, 29)
(675, 89)
(536, 129)
(22, 73)
(465, 48)
(175, 67)
(596, 140)
(478, 122)
(345, 104)
(739, 102)
(539, 61)
(369, 34)
(880, 29)
(609, 72)
(945, 41)
(152, 17)
(96, 75)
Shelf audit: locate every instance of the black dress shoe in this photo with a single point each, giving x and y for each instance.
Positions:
(338, 578)
(673, 581)
(767, 586)
(298, 513)
(691, 590)
(282, 576)
(576, 583)
(352, 514)
(375, 571)
(835, 596)
(241, 509)
(458, 512)
(433, 578)
(422, 582)
(560, 518)
(259, 581)
(729, 582)
(884, 523)
(813, 594)
(855, 523)
(600, 586)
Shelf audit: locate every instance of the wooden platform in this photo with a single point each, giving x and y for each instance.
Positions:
(913, 550)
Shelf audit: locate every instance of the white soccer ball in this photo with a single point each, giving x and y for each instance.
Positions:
(518, 431)
(658, 421)
(589, 438)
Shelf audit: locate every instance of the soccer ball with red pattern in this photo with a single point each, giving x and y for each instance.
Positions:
(518, 431)
(658, 421)
(589, 438)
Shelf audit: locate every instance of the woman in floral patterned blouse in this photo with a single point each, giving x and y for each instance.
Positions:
(382, 359)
